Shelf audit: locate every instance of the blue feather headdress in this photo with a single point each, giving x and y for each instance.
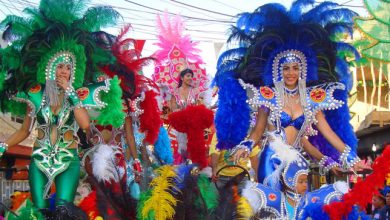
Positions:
(312, 33)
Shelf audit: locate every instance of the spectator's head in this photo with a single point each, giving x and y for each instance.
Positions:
(388, 198)
(378, 201)
(386, 193)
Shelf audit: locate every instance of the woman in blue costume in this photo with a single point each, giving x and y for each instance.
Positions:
(290, 71)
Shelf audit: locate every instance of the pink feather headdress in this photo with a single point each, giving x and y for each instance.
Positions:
(177, 52)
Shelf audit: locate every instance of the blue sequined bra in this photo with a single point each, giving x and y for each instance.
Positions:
(286, 120)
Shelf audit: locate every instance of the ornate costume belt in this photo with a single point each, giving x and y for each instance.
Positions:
(52, 160)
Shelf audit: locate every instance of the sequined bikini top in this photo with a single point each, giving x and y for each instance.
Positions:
(286, 120)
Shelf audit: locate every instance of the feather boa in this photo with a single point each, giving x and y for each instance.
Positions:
(112, 113)
(162, 147)
(362, 192)
(192, 121)
(104, 164)
(233, 114)
(150, 120)
(160, 201)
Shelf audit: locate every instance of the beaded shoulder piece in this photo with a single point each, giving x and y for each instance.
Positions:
(320, 98)
(90, 95)
(263, 97)
(33, 99)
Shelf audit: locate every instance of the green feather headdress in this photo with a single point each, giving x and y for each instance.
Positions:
(54, 30)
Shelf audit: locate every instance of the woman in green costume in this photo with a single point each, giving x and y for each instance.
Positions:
(44, 76)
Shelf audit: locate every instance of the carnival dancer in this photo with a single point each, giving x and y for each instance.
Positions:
(143, 122)
(179, 69)
(44, 71)
(281, 52)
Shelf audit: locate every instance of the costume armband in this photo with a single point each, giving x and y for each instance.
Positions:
(246, 145)
(348, 158)
(74, 99)
(326, 164)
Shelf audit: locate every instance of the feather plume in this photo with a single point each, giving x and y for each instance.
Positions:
(104, 166)
(208, 192)
(65, 12)
(244, 210)
(192, 121)
(161, 202)
(296, 9)
(233, 114)
(191, 204)
(229, 198)
(15, 28)
(99, 17)
(162, 147)
(145, 196)
(150, 120)
(112, 113)
(170, 34)
(316, 12)
(128, 65)
(283, 151)
(182, 172)
(362, 192)
(251, 196)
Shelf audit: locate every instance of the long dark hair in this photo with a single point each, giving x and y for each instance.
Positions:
(182, 74)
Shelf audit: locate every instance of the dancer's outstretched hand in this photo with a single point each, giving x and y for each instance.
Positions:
(361, 166)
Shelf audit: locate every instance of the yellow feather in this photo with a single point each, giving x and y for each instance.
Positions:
(244, 210)
(161, 201)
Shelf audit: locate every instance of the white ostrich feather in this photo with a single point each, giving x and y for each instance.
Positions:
(104, 166)
(341, 187)
(253, 197)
